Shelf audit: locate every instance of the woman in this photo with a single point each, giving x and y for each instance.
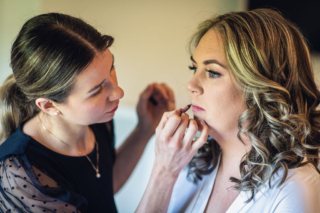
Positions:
(254, 87)
(57, 108)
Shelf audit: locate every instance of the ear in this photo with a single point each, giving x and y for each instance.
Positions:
(47, 106)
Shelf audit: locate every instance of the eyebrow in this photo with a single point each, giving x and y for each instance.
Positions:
(210, 61)
(99, 85)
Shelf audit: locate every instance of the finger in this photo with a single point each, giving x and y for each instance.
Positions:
(191, 132)
(165, 118)
(144, 97)
(169, 92)
(172, 112)
(203, 136)
(178, 135)
(171, 126)
(161, 91)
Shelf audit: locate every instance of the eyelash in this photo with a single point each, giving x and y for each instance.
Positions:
(100, 88)
(193, 68)
(212, 74)
(97, 93)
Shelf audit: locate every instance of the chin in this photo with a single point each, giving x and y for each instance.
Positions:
(102, 119)
(198, 119)
(107, 119)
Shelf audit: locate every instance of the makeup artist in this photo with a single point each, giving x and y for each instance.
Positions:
(57, 152)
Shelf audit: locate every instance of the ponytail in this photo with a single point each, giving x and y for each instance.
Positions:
(15, 108)
(50, 51)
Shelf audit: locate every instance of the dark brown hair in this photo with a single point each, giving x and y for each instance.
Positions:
(49, 52)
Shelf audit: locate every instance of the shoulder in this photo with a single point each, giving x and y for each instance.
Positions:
(15, 144)
(301, 178)
(299, 192)
(24, 190)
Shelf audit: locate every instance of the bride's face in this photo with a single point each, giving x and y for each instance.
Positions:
(215, 98)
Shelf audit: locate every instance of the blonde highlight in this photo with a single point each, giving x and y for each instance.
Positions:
(282, 122)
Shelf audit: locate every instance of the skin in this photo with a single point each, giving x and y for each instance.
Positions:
(213, 89)
(174, 150)
(217, 105)
(70, 121)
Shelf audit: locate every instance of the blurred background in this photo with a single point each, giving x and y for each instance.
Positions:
(151, 45)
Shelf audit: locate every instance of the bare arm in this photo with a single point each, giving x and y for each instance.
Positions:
(149, 113)
(128, 155)
(174, 150)
(158, 192)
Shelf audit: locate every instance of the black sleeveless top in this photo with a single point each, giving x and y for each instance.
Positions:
(34, 178)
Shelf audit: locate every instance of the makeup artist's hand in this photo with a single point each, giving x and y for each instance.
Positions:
(174, 145)
(153, 102)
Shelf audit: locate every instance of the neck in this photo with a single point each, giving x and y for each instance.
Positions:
(232, 152)
(75, 138)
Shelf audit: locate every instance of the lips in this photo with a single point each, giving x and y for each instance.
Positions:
(196, 108)
(114, 109)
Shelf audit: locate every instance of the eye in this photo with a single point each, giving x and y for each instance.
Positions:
(213, 74)
(193, 68)
(98, 92)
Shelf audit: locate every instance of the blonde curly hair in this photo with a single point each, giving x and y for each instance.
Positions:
(270, 63)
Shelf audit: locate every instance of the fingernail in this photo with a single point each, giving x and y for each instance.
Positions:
(203, 122)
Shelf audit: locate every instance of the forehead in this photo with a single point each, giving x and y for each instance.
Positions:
(97, 70)
(211, 43)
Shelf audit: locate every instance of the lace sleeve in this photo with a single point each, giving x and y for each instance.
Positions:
(18, 193)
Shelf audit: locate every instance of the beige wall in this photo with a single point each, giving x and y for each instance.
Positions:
(150, 38)
(13, 14)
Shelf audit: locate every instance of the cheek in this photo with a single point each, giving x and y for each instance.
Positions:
(93, 109)
(226, 105)
(87, 110)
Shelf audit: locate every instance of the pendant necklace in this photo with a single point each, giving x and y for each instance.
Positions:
(96, 168)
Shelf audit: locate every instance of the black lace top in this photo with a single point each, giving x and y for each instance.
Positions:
(34, 178)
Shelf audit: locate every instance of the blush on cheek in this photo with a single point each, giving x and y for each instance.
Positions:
(94, 111)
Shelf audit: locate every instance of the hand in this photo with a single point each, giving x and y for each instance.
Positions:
(174, 145)
(153, 102)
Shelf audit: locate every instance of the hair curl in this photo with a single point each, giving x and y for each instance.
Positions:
(270, 63)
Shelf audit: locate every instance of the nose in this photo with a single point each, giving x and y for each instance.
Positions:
(116, 94)
(194, 86)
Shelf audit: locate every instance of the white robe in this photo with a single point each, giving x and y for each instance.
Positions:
(299, 193)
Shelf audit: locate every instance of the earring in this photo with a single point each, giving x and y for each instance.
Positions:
(56, 113)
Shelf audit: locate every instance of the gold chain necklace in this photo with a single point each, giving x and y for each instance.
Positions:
(95, 168)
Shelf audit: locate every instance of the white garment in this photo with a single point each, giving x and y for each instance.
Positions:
(299, 193)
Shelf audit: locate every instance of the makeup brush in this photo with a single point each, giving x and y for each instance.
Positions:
(186, 108)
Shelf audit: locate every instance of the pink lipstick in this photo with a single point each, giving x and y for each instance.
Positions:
(114, 109)
(196, 108)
